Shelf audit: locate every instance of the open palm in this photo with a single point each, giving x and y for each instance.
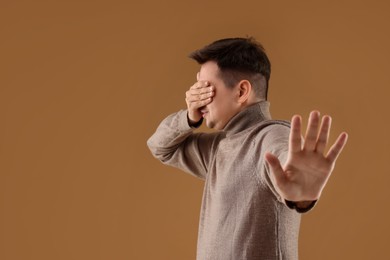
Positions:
(307, 168)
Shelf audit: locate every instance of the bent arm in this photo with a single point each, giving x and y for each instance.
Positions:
(174, 143)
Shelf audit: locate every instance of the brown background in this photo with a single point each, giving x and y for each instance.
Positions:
(84, 84)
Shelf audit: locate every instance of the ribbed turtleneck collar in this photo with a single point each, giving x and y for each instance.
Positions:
(248, 117)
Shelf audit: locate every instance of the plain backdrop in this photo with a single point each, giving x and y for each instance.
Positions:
(85, 83)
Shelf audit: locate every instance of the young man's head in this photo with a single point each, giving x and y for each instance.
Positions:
(238, 59)
(239, 69)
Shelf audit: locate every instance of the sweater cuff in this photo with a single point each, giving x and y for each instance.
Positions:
(293, 205)
(181, 122)
(196, 125)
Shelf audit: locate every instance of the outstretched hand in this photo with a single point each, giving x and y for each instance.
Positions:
(307, 169)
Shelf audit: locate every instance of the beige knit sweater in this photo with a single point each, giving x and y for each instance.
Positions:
(242, 215)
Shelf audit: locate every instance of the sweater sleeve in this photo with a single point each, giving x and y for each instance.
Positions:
(174, 143)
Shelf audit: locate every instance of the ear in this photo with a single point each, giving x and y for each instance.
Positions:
(244, 91)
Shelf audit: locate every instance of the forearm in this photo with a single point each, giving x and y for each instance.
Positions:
(171, 132)
(175, 144)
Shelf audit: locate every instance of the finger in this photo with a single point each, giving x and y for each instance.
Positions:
(337, 147)
(198, 91)
(200, 84)
(200, 103)
(202, 90)
(311, 132)
(275, 167)
(295, 143)
(323, 135)
(193, 98)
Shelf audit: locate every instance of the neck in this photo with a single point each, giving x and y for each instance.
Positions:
(251, 115)
(250, 101)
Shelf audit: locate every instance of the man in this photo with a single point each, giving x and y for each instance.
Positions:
(259, 173)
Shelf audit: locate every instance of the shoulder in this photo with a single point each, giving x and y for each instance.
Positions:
(276, 129)
(272, 133)
(213, 136)
(272, 128)
(207, 140)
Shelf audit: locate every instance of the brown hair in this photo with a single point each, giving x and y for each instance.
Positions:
(238, 59)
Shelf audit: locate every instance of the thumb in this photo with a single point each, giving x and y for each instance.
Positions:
(276, 167)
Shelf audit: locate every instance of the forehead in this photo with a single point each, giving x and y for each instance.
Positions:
(209, 71)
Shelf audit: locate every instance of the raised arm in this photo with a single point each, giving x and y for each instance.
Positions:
(174, 142)
(301, 180)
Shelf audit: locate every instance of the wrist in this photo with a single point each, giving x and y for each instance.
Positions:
(194, 124)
